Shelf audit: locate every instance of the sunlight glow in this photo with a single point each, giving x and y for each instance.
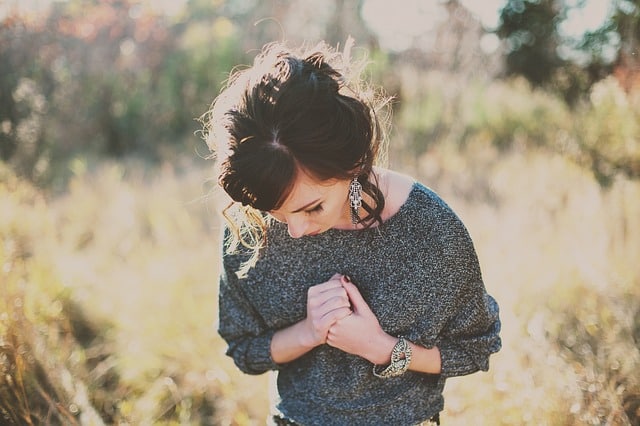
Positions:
(486, 11)
(398, 25)
(163, 7)
(588, 17)
(167, 7)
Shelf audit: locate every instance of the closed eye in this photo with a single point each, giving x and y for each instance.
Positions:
(316, 209)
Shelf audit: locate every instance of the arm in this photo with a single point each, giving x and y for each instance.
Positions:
(459, 329)
(472, 334)
(253, 346)
(360, 334)
(247, 336)
(469, 324)
(326, 303)
(466, 338)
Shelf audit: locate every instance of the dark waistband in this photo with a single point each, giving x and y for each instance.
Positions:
(283, 421)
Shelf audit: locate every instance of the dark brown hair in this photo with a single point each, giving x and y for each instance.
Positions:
(292, 111)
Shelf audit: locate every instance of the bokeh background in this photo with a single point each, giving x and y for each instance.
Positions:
(523, 114)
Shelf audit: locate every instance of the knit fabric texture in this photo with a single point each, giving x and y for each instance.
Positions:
(419, 274)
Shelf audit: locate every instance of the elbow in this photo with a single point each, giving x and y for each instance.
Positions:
(246, 366)
(251, 356)
(250, 370)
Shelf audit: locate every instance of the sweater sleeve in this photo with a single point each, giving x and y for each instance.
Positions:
(470, 333)
(248, 338)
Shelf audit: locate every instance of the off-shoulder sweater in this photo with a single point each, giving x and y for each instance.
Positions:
(419, 273)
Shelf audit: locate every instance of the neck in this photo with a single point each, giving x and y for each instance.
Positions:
(378, 177)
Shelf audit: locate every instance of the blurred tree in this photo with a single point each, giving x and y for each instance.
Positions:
(114, 78)
(535, 44)
(626, 19)
(530, 29)
(116, 57)
(614, 47)
(346, 21)
(26, 84)
(606, 131)
(90, 78)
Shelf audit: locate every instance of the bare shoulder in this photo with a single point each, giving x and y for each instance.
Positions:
(396, 188)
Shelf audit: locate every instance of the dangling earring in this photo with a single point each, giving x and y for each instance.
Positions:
(355, 200)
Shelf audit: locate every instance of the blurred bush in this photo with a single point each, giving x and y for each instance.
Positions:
(113, 79)
(106, 79)
(607, 132)
(600, 133)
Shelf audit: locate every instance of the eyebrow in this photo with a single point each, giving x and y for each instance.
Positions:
(306, 206)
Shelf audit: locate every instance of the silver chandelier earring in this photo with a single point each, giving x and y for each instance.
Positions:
(355, 200)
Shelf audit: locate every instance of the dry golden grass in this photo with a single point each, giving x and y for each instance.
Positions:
(108, 303)
(561, 255)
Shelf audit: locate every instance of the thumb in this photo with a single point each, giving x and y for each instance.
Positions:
(357, 302)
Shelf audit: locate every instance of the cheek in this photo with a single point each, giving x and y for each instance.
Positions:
(336, 210)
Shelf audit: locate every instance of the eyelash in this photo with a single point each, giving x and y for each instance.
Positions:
(316, 209)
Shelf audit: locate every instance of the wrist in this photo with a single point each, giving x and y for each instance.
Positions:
(400, 361)
(306, 338)
(381, 350)
(290, 343)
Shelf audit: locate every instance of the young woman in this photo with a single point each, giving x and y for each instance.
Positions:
(359, 285)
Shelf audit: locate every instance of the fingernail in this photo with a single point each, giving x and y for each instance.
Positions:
(347, 278)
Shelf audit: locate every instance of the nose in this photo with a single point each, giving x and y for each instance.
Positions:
(296, 227)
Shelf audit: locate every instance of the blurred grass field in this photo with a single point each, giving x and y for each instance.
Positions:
(108, 292)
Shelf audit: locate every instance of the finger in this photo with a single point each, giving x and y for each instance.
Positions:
(326, 302)
(338, 301)
(320, 288)
(335, 279)
(330, 293)
(335, 315)
(331, 282)
(357, 302)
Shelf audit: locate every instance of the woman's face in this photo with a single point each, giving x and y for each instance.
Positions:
(314, 207)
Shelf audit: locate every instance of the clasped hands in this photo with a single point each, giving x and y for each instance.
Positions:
(338, 316)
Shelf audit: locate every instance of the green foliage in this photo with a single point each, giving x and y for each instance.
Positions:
(606, 133)
(622, 31)
(515, 114)
(600, 134)
(567, 65)
(424, 119)
(106, 79)
(98, 79)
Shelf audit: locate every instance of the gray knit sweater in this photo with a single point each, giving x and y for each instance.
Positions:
(418, 272)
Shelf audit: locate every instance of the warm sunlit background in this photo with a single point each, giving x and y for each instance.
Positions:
(523, 114)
